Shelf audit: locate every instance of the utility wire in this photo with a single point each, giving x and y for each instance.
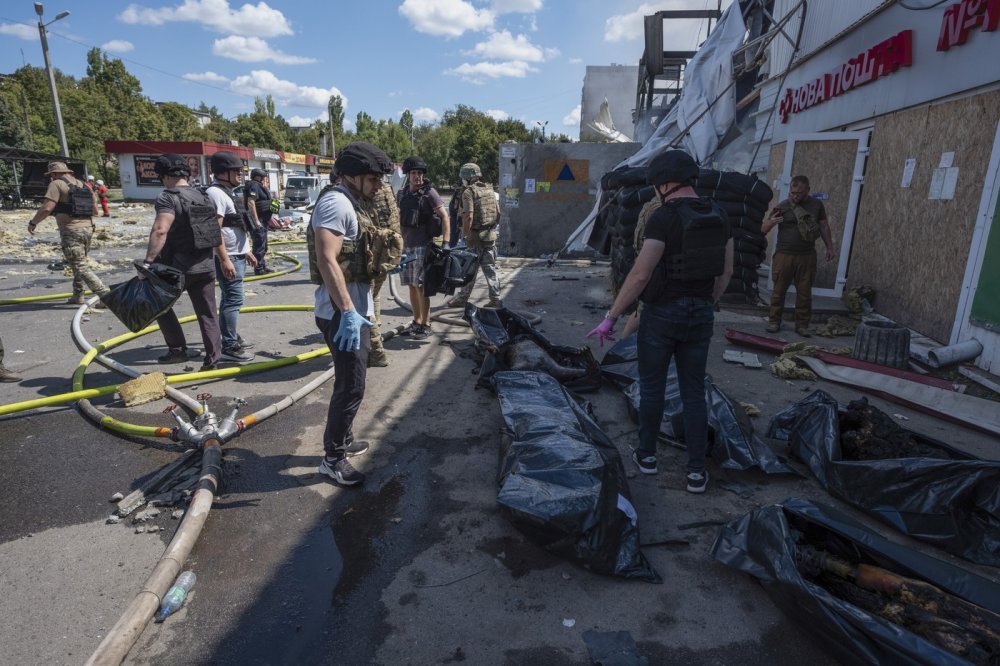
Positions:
(920, 9)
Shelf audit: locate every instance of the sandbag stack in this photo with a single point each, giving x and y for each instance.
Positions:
(624, 192)
(745, 198)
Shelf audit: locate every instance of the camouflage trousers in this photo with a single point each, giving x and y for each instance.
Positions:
(376, 330)
(487, 260)
(75, 247)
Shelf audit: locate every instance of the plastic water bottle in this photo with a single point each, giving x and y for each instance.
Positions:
(176, 595)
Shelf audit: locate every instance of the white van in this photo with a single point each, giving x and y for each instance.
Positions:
(301, 191)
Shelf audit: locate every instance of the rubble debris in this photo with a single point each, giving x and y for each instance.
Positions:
(747, 359)
(143, 389)
(836, 326)
(750, 408)
(936, 493)
(145, 515)
(113, 519)
(116, 497)
(859, 301)
(924, 609)
(868, 433)
(785, 367)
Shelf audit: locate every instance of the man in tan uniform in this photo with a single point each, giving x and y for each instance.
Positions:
(384, 214)
(76, 226)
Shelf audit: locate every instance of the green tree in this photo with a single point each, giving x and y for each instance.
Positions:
(182, 124)
(438, 147)
(262, 128)
(365, 129)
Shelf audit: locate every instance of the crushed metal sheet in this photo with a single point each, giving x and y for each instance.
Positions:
(747, 359)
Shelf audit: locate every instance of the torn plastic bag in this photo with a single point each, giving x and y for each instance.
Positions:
(951, 501)
(732, 442)
(510, 342)
(137, 303)
(769, 542)
(562, 482)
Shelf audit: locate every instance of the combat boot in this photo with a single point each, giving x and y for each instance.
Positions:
(377, 359)
(76, 299)
(8, 375)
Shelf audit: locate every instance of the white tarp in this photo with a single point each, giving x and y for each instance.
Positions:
(707, 75)
(604, 125)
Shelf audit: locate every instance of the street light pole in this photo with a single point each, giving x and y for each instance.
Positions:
(52, 77)
(542, 125)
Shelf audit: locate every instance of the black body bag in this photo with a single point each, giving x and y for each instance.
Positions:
(138, 303)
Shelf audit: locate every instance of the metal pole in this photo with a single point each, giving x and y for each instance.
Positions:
(52, 85)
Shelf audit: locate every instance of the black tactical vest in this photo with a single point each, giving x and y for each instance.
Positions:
(196, 225)
(414, 208)
(241, 218)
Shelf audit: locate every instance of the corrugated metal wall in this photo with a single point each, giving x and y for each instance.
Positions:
(825, 20)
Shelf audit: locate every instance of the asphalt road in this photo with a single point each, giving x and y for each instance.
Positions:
(417, 567)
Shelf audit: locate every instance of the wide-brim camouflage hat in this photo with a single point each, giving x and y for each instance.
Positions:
(58, 167)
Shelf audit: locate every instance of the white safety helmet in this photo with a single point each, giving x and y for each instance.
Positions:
(90, 178)
(100, 182)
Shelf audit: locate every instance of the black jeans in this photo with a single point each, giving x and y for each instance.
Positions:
(258, 239)
(200, 287)
(350, 371)
(681, 330)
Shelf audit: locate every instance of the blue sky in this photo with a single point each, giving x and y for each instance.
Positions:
(524, 59)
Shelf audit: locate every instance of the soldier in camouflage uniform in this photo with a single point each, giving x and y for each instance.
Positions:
(480, 217)
(384, 214)
(75, 231)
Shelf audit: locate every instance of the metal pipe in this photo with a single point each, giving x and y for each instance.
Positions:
(957, 353)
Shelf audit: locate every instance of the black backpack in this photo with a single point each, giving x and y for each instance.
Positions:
(81, 201)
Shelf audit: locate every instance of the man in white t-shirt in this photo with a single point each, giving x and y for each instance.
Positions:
(227, 170)
(343, 298)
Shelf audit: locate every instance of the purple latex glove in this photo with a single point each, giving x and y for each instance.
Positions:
(604, 331)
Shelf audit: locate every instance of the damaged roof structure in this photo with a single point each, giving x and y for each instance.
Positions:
(888, 109)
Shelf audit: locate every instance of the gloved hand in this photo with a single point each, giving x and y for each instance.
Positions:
(403, 260)
(348, 335)
(604, 331)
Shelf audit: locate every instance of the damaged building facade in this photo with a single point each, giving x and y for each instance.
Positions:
(894, 115)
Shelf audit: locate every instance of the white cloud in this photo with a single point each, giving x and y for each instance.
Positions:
(118, 46)
(426, 115)
(497, 114)
(19, 30)
(521, 6)
(572, 119)
(254, 49)
(445, 18)
(206, 77)
(684, 33)
(479, 72)
(258, 20)
(504, 46)
(307, 121)
(263, 82)
(575, 61)
(628, 26)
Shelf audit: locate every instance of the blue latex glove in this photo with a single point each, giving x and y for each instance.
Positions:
(348, 336)
(403, 260)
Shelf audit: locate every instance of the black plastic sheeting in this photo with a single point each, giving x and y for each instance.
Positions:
(446, 270)
(764, 543)
(733, 444)
(562, 482)
(137, 303)
(953, 503)
(496, 331)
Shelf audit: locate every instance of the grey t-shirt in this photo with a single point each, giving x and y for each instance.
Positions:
(335, 211)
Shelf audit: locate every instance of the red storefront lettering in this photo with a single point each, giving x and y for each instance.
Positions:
(961, 18)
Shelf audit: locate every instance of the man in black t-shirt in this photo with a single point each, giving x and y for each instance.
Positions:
(683, 268)
(172, 242)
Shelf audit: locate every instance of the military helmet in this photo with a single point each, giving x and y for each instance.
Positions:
(470, 170)
(359, 158)
(255, 173)
(225, 161)
(672, 166)
(414, 163)
(171, 164)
